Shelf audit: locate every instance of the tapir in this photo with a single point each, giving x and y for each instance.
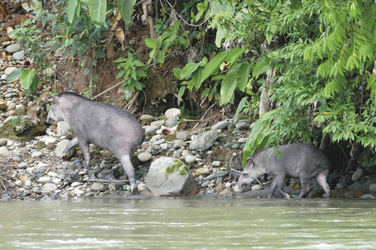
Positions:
(298, 160)
(105, 125)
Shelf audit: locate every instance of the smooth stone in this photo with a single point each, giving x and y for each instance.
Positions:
(158, 123)
(151, 130)
(98, 187)
(357, 174)
(9, 70)
(13, 48)
(60, 147)
(144, 156)
(243, 124)
(182, 135)
(4, 151)
(63, 128)
(216, 164)
(172, 113)
(220, 125)
(190, 159)
(171, 122)
(147, 118)
(36, 154)
(18, 55)
(202, 171)
(3, 142)
(44, 179)
(372, 188)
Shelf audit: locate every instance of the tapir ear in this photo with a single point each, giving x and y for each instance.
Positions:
(250, 160)
(56, 98)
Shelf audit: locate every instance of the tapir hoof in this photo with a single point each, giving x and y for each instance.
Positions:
(84, 172)
(133, 189)
(288, 196)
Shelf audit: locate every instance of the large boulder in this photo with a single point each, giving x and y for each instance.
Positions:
(170, 177)
(204, 141)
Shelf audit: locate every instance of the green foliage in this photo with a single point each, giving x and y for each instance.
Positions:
(177, 166)
(29, 79)
(133, 70)
(237, 74)
(173, 36)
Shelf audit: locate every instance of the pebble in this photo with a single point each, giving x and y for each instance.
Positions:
(9, 70)
(98, 187)
(18, 55)
(190, 159)
(171, 122)
(3, 142)
(221, 125)
(151, 130)
(144, 156)
(202, 171)
(357, 174)
(13, 48)
(49, 188)
(172, 113)
(372, 188)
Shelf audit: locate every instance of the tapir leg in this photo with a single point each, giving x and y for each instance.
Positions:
(86, 152)
(321, 179)
(272, 188)
(304, 183)
(72, 143)
(280, 182)
(129, 170)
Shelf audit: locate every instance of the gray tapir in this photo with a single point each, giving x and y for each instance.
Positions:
(296, 160)
(105, 125)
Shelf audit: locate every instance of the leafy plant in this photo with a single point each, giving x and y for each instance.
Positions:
(133, 70)
(29, 80)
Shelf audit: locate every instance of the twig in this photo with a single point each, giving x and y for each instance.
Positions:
(108, 181)
(108, 90)
(205, 114)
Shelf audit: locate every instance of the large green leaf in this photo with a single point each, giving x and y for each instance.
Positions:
(188, 69)
(126, 9)
(229, 85)
(260, 68)
(150, 43)
(72, 8)
(15, 74)
(240, 108)
(98, 11)
(243, 76)
(213, 65)
(222, 32)
(27, 78)
(234, 54)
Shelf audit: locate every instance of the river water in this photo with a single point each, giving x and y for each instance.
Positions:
(188, 223)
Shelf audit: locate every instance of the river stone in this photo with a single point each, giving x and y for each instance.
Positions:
(171, 122)
(60, 147)
(190, 159)
(13, 48)
(182, 135)
(63, 128)
(18, 55)
(151, 130)
(3, 105)
(242, 124)
(172, 113)
(49, 187)
(9, 70)
(204, 140)
(44, 179)
(4, 151)
(169, 177)
(372, 188)
(98, 187)
(146, 118)
(158, 123)
(144, 156)
(220, 125)
(357, 174)
(202, 171)
(36, 154)
(3, 142)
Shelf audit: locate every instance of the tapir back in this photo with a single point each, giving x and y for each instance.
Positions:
(105, 125)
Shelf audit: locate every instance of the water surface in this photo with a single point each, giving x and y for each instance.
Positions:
(188, 223)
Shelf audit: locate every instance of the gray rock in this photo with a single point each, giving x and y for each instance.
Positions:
(3, 142)
(18, 55)
(357, 174)
(171, 122)
(172, 113)
(182, 135)
(63, 129)
(107, 174)
(151, 130)
(242, 124)
(98, 187)
(204, 140)
(190, 159)
(60, 147)
(44, 179)
(4, 151)
(158, 123)
(220, 125)
(146, 118)
(13, 48)
(48, 188)
(144, 156)
(170, 177)
(372, 188)
(36, 154)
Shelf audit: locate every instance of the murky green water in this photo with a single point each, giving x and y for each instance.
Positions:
(192, 223)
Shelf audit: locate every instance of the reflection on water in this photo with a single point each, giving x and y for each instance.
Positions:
(190, 223)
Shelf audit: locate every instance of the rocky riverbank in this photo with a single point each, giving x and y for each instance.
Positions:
(202, 154)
